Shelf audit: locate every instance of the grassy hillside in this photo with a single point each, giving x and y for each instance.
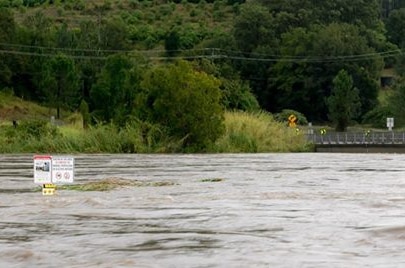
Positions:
(13, 108)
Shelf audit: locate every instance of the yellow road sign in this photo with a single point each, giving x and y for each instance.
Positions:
(292, 121)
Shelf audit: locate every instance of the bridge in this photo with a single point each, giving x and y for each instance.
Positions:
(367, 142)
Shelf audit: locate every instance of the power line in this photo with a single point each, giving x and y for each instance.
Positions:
(209, 53)
(102, 50)
(2, 51)
(280, 58)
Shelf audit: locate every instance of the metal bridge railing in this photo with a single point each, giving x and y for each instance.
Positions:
(387, 137)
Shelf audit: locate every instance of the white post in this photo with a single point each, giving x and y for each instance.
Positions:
(390, 123)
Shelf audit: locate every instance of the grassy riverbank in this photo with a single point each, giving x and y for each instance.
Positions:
(244, 133)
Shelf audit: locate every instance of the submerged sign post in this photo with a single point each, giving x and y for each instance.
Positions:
(52, 170)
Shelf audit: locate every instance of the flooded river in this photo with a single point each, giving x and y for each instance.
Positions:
(224, 210)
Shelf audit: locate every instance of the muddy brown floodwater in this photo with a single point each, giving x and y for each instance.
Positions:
(269, 210)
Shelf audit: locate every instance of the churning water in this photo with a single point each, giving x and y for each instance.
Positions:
(269, 210)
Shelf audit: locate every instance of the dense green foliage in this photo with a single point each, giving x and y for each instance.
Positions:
(185, 102)
(343, 103)
(117, 62)
(397, 101)
(310, 52)
(59, 83)
(113, 94)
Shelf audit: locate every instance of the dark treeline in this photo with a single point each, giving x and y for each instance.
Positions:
(118, 60)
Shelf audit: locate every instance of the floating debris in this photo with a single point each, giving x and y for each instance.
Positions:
(113, 183)
(19, 190)
(212, 180)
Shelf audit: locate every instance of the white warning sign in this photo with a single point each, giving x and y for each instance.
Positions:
(53, 169)
(42, 169)
(62, 169)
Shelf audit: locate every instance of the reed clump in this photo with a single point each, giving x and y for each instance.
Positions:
(258, 132)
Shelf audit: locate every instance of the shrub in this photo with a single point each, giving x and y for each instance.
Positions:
(283, 117)
(133, 3)
(185, 102)
(4, 3)
(194, 12)
(238, 95)
(79, 5)
(378, 116)
(219, 15)
(36, 129)
(165, 10)
(32, 3)
(16, 3)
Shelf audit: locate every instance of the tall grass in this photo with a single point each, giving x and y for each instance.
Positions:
(42, 137)
(245, 133)
(257, 132)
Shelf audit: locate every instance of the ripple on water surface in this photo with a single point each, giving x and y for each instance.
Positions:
(266, 210)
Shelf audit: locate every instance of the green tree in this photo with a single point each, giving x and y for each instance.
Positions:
(303, 13)
(38, 30)
(113, 94)
(236, 93)
(88, 35)
(60, 83)
(7, 33)
(255, 36)
(254, 28)
(310, 60)
(180, 38)
(36, 35)
(87, 40)
(292, 82)
(293, 49)
(343, 103)
(172, 43)
(388, 6)
(113, 34)
(346, 46)
(65, 38)
(395, 26)
(396, 103)
(185, 102)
